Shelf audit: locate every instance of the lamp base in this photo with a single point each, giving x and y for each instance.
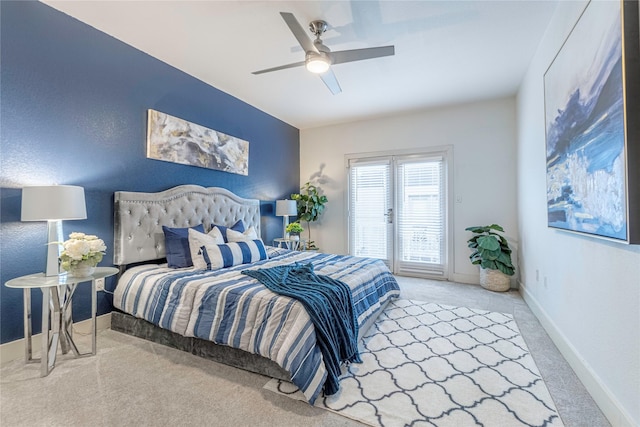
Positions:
(285, 222)
(54, 238)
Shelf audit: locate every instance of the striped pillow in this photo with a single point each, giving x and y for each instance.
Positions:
(207, 255)
(197, 240)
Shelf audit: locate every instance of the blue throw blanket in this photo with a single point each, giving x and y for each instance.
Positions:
(328, 302)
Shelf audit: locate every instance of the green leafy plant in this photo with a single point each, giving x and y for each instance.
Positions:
(490, 249)
(310, 205)
(295, 228)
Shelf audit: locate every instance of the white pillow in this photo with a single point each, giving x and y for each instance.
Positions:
(236, 236)
(216, 234)
(198, 240)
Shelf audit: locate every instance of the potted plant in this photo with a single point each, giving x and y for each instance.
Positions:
(310, 205)
(491, 252)
(293, 230)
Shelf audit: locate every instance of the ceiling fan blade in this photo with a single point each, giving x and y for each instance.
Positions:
(330, 80)
(298, 32)
(281, 67)
(343, 56)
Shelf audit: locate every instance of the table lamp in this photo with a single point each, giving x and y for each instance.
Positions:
(286, 208)
(53, 203)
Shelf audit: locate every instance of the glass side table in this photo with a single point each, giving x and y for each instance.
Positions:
(57, 321)
(294, 245)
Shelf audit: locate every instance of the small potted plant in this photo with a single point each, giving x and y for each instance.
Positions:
(491, 252)
(293, 231)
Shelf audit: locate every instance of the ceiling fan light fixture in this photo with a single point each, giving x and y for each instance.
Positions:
(317, 63)
(319, 58)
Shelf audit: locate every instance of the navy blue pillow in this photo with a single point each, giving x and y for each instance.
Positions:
(176, 243)
(238, 226)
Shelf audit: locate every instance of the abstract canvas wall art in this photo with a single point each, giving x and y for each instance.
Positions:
(175, 140)
(587, 140)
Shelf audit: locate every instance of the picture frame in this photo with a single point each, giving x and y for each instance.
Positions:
(172, 139)
(592, 125)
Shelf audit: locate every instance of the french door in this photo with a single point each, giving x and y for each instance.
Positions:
(398, 212)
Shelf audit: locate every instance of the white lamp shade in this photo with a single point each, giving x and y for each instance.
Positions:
(286, 208)
(53, 202)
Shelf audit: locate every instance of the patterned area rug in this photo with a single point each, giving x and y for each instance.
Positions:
(436, 365)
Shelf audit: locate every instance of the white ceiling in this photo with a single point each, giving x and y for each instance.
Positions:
(446, 51)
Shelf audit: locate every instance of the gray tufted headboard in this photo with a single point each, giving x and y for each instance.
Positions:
(139, 217)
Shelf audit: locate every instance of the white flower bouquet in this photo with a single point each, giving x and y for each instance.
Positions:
(81, 249)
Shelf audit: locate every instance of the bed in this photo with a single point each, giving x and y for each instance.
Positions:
(223, 314)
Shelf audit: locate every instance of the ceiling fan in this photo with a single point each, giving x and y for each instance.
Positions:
(319, 58)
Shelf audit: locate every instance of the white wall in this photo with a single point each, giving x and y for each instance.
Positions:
(483, 138)
(590, 303)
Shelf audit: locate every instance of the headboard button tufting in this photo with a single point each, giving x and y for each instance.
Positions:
(182, 206)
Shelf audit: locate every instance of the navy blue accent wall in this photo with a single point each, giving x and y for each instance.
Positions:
(73, 109)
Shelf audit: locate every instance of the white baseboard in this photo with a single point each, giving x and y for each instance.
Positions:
(15, 349)
(604, 398)
(471, 279)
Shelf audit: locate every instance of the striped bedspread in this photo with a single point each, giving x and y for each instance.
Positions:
(233, 309)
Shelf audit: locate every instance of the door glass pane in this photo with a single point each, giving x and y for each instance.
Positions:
(420, 211)
(369, 208)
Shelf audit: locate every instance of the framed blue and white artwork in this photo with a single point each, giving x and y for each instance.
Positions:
(176, 140)
(592, 118)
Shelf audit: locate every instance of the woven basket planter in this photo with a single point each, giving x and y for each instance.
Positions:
(494, 280)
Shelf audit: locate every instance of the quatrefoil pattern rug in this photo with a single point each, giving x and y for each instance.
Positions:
(435, 365)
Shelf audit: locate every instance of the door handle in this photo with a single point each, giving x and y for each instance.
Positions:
(389, 216)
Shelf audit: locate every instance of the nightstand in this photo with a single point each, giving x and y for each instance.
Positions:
(294, 245)
(57, 294)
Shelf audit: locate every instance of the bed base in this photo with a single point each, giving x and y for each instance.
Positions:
(237, 358)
